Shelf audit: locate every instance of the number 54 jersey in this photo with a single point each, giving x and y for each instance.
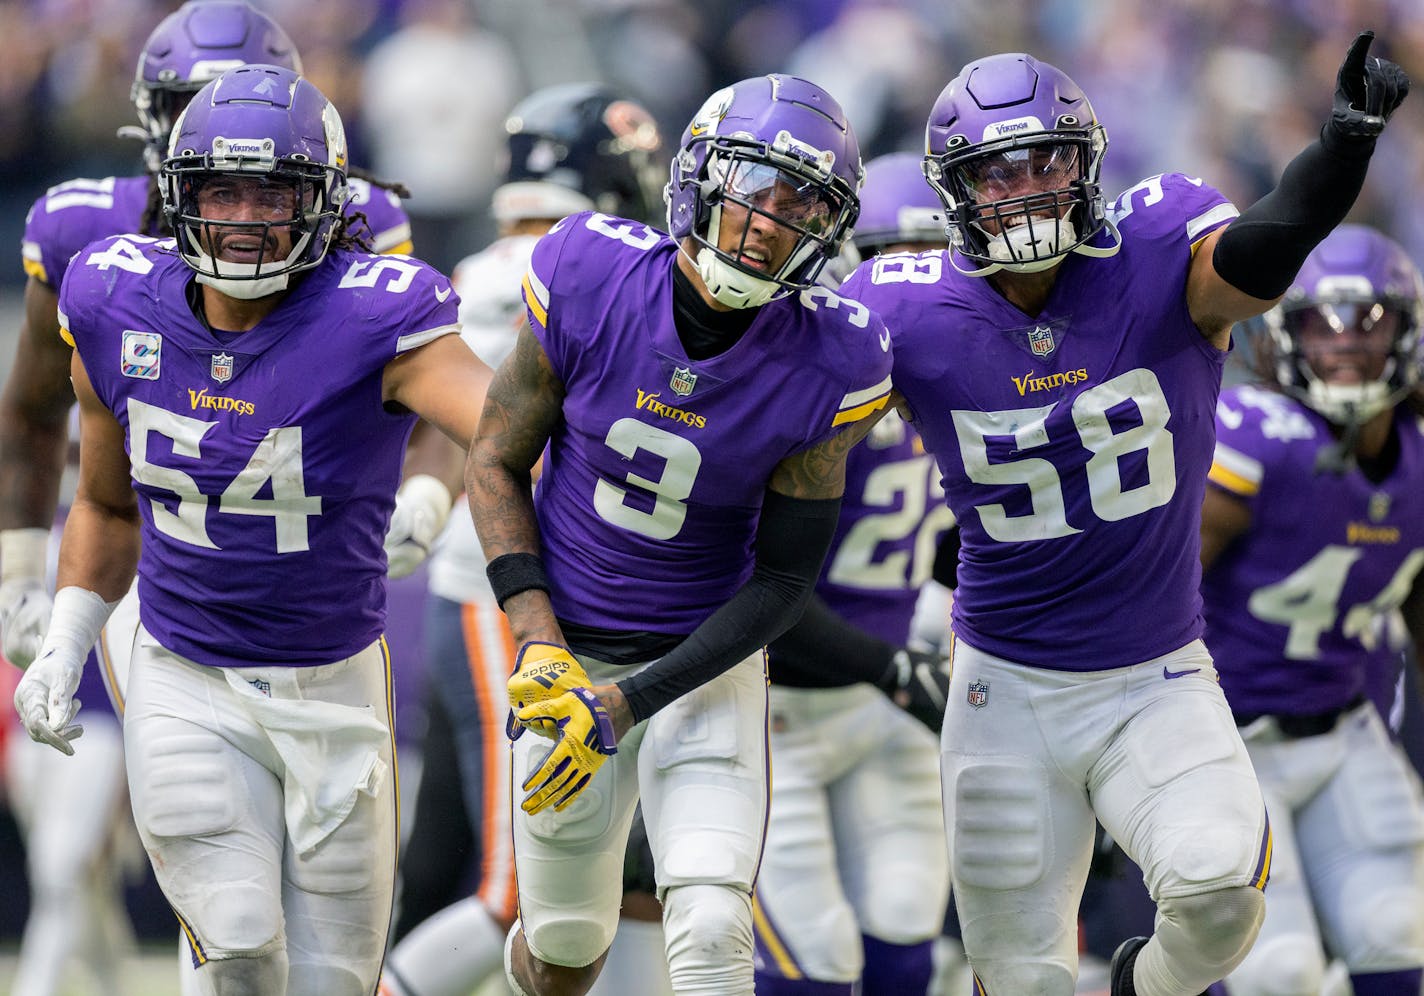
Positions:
(264, 461)
(653, 483)
(1074, 444)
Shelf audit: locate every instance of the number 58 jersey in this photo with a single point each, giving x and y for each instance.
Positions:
(653, 482)
(264, 461)
(1074, 444)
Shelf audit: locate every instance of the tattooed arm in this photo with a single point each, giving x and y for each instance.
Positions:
(523, 407)
(798, 520)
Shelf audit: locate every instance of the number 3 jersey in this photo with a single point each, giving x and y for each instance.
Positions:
(1074, 445)
(264, 461)
(654, 480)
(1296, 606)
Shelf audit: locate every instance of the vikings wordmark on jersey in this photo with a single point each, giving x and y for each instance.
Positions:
(1069, 464)
(671, 454)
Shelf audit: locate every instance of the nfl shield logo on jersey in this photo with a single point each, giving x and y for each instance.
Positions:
(978, 694)
(683, 381)
(1379, 506)
(1040, 340)
(222, 368)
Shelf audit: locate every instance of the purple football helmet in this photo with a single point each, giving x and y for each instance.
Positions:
(776, 135)
(195, 44)
(1345, 338)
(264, 123)
(897, 205)
(1014, 151)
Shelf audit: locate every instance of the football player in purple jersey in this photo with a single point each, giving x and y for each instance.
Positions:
(187, 49)
(1312, 539)
(184, 51)
(571, 147)
(694, 398)
(1062, 362)
(246, 390)
(854, 880)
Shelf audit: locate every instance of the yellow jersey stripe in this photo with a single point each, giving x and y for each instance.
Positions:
(1231, 481)
(65, 335)
(35, 268)
(856, 414)
(539, 309)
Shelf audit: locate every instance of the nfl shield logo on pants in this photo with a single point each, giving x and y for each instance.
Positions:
(978, 693)
(1040, 340)
(683, 381)
(222, 368)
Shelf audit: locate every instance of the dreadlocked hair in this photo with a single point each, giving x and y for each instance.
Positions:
(348, 235)
(154, 221)
(394, 186)
(356, 231)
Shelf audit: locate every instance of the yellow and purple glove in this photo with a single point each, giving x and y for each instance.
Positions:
(542, 671)
(583, 730)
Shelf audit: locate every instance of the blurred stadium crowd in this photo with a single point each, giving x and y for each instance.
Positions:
(423, 85)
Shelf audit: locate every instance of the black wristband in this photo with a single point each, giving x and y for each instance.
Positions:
(511, 573)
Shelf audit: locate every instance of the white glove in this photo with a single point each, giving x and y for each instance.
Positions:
(44, 698)
(25, 603)
(422, 506)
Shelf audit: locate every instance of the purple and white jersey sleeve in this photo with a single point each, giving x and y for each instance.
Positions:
(73, 214)
(1298, 606)
(1074, 444)
(387, 224)
(892, 518)
(654, 480)
(265, 463)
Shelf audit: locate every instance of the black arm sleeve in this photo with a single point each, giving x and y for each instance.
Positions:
(946, 562)
(1261, 252)
(791, 542)
(824, 651)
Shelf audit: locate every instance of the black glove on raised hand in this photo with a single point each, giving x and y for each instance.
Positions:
(1367, 90)
(918, 682)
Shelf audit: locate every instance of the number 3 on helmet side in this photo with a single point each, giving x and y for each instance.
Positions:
(670, 489)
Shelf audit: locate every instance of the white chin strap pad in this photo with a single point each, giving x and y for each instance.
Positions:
(730, 285)
(1028, 248)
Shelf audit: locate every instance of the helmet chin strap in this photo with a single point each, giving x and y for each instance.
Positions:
(245, 288)
(730, 285)
(1009, 249)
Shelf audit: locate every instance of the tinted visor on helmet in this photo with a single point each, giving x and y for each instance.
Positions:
(1019, 172)
(1346, 339)
(804, 205)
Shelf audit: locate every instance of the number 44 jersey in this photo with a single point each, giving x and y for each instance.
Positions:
(1296, 607)
(653, 482)
(1075, 443)
(264, 461)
